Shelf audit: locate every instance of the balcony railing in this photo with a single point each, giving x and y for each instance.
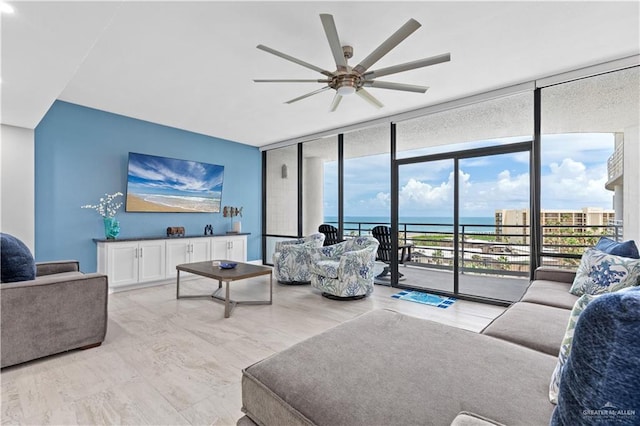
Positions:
(492, 249)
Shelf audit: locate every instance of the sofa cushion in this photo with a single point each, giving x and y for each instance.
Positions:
(600, 272)
(565, 348)
(354, 374)
(550, 293)
(16, 261)
(624, 249)
(538, 327)
(601, 380)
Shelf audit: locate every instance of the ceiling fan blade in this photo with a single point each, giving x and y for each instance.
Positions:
(395, 86)
(369, 98)
(408, 66)
(294, 60)
(289, 81)
(396, 38)
(336, 101)
(307, 95)
(334, 41)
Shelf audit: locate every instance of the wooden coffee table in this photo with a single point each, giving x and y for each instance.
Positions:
(210, 269)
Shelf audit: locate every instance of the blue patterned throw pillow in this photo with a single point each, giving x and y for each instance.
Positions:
(565, 348)
(601, 379)
(600, 273)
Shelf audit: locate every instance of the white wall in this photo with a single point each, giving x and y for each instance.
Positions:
(17, 188)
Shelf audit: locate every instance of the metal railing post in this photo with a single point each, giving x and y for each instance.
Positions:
(462, 251)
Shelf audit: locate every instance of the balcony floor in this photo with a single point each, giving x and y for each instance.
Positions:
(508, 289)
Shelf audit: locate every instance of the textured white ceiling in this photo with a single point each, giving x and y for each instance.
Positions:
(190, 65)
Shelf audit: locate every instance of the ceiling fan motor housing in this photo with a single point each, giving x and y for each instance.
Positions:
(348, 51)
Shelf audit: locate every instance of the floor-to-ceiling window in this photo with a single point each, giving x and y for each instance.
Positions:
(367, 174)
(587, 125)
(319, 183)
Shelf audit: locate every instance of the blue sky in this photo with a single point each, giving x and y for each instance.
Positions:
(149, 174)
(573, 176)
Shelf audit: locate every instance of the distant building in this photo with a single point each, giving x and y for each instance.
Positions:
(615, 175)
(513, 225)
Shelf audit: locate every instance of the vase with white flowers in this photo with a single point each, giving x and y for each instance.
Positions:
(107, 207)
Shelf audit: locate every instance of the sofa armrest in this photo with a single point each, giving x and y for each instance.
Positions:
(48, 268)
(549, 273)
(50, 315)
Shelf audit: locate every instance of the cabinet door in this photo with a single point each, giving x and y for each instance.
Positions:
(122, 259)
(237, 249)
(151, 260)
(200, 249)
(177, 253)
(219, 248)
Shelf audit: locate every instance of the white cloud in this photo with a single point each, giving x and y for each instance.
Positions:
(573, 185)
(513, 186)
(416, 193)
(586, 148)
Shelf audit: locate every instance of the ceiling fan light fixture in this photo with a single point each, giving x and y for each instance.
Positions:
(346, 90)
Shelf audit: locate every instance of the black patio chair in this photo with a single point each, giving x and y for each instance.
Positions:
(383, 235)
(330, 234)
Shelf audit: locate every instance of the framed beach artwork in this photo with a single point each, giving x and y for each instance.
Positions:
(161, 184)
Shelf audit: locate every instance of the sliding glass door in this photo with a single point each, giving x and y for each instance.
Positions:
(465, 216)
(494, 238)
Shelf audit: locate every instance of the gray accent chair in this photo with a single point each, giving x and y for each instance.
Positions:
(292, 257)
(62, 309)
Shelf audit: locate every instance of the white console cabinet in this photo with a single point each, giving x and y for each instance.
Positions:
(230, 248)
(187, 251)
(133, 262)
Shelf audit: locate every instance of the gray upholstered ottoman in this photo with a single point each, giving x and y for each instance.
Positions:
(385, 368)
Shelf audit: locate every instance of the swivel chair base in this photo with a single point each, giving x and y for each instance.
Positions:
(334, 297)
(294, 282)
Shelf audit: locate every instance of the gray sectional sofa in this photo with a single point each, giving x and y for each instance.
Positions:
(60, 310)
(386, 368)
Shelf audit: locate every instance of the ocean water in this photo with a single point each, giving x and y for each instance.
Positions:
(418, 224)
(198, 204)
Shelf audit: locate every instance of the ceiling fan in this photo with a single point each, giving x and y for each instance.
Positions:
(346, 80)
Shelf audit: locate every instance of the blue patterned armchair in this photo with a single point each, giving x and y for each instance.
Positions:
(345, 270)
(291, 259)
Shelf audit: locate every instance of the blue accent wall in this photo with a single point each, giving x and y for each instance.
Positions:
(81, 154)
